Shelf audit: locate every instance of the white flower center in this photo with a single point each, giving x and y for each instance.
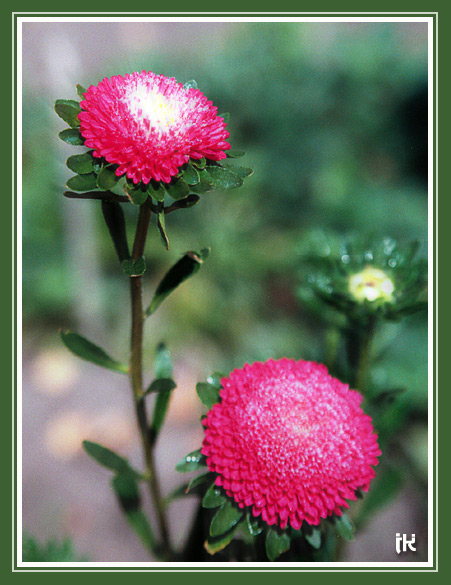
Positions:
(371, 284)
(147, 104)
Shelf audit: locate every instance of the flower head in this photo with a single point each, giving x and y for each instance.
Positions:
(150, 125)
(290, 441)
(371, 284)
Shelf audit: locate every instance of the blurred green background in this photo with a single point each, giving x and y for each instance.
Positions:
(333, 118)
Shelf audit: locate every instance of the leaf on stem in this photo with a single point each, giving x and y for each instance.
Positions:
(225, 519)
(136, 195)
(162, 226)
(87, 350)
(113, 215)
(68, 111)
(313, 537)
(82, 164)
(86, 182)
(199, 480)
(187, 266)
(72, 136)
(81, 91)
(110, 459)
(343, 526)
(214, 545)
(191, 462)
(161, 385)
(163, 370)
(214, 497)
(190, 174)
(208, 394)
(177, 189)
(107, 178)
(224, 178)
(276, 543)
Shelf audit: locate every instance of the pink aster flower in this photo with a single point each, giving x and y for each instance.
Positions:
(290, 441)
(150, 125)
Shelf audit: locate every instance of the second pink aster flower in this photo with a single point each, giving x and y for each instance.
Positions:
(150, 125)
(290, 442)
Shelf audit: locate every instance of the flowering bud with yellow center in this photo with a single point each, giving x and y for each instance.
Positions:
(371, 284)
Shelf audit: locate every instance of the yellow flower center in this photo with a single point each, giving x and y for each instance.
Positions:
(371, 284)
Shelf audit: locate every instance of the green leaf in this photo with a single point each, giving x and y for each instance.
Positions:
(235, 153)
(215, 379)
(183, 203)
(190, 175)
(107, 178)
(205, 183)
(135, 193)
(187, 266)
(213, 498)
(253, 526)
(313, 537)
(161, 385)
(225, 117)
(208, 394)
(161, 225)
(214, 545)
(115, 221)
(197, 481)
(276, 543)
(384, 487)
(163, 362)
(110, 459)
(86, 350)
(199, 162)
(72, 136)
(191, 462)
(242, 172)
(127, 493)
(134, 267)
(81, 91)
(225, 519)
(68, 110)
(82, 182)
(224, 178)
(163, 369)
(156, 191)
(82, 164)
(177, 189)
(343, 526)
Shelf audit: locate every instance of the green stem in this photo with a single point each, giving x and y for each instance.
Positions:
(136, 377)
(365, 337)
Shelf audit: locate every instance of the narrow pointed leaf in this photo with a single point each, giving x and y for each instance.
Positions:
(161, 385)
(107, 178)
(225, 519)
(81, 91)
(72, 136)
(161, 225)
(191, 462)
(110, 459)
(127, 493)
(177, 189)
(68, 110)
(115, 221)
(191, 175)
(82, 182)
(277, 542)
(235, 153)
(213, 498)
(82, 164)
(187, 266)
(224, 178)
(134, 267)
(163, 369)
(90, 352)
(208, 394)
(344, 526)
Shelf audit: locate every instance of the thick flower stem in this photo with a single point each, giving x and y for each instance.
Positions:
(359, 351)
(136, 377)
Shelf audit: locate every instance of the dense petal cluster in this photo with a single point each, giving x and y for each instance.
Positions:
(150, 125)
(290, 441)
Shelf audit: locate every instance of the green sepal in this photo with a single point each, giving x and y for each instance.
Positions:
(115, 220)
(225, 519)
(343, 526)
(72, 136)
(190, 174)
(187, 266)
(205, 183)
(177, 189)
(135, 193)
(107, 178)
(223, 178)
(82, 183)
(214, 497)
(156, 191)
(276, 543)
(134, 267)
(191, 462)
(90, 352)
(81, 91)
(68, 110)
(110, 459)
(82, 164)
(312, 535)
(208, 394)
(161, 385)
(127, 493)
